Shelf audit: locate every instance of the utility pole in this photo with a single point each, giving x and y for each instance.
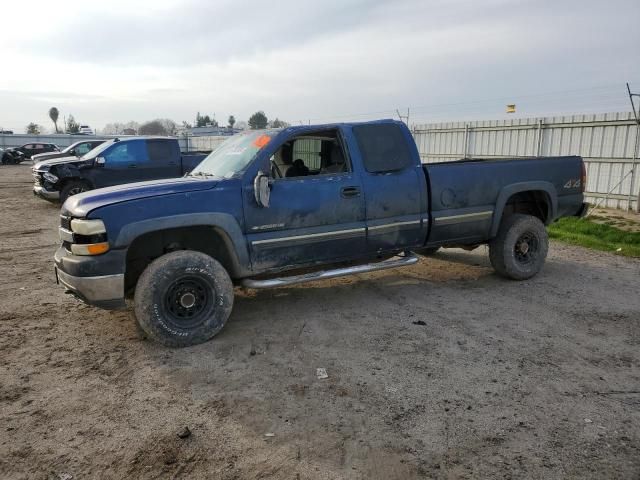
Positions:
(403, 118)
(635, 151)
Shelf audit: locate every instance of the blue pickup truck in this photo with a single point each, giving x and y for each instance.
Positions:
(278, 207)
(111, 163)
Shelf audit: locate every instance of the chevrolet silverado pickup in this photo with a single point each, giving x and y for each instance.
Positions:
(278, 207)
(114, 162)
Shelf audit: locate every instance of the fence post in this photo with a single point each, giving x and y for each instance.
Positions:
(539, 142)
(633, 172)
(466, 140)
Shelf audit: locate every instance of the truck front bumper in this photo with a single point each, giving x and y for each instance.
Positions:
(104, 291)
(41, 192)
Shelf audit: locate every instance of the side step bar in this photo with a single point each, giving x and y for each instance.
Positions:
(407, 259)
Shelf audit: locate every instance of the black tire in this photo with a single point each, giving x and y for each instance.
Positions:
(183, 298)
(520, 248)
(71, 188)
(427, 251)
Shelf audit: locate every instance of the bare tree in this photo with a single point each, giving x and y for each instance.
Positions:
(114, 128)
(277, 123)
(153, 127)
(72, 125)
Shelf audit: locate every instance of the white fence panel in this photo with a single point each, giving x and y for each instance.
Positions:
(607, 142)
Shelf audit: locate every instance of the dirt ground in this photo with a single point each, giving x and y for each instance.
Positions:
(439, 370)
(629, 221)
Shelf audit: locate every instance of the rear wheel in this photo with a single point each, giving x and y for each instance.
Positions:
(71, 188)
(520, 248)
(183, 298)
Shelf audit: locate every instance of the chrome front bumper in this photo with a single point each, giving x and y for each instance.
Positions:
(46, 194)
(106, 291)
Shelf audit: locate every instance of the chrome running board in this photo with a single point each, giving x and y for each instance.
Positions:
(399, 261)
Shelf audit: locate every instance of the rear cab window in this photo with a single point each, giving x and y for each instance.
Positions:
(161, 151)
(383, 148)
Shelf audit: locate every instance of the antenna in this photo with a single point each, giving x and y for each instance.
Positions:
(633, 105)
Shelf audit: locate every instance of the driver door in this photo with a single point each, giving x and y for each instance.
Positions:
(315, 218)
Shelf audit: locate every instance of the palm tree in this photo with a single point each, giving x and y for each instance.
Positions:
(53, 115)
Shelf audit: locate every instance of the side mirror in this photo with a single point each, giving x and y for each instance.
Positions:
(261, 189)
(100, 161)
(72, 152)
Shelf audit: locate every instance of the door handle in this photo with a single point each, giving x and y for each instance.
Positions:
(172, 163)
(133, 165)
(348, 192)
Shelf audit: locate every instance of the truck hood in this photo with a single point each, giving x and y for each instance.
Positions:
(40, 157)
(45, 164)
(80, 205)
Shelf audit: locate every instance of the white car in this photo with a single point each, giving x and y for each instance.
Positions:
(86, 130)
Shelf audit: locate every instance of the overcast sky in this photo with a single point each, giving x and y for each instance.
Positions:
(333, 60)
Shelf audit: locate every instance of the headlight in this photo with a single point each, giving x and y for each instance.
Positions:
(50, 177)
(87, 227)
(90, 249)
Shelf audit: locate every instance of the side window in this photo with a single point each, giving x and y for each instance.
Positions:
(82, 149)
(318, 153)
(383, 148)
(160, 151)
(117, 154)
(28, 147)
(127, 152)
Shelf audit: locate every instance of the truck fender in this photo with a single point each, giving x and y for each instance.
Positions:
(510, 190)
(68, 172)
(225, 223)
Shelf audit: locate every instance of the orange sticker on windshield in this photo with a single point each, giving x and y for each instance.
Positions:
(261, 141)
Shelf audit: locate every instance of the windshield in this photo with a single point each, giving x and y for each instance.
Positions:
(97, 151)
(66, 150)
(233, 156)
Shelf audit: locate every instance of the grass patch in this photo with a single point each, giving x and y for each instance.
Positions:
(597, 236)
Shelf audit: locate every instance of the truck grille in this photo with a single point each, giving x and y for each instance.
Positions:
(65, 222)
(37, 178)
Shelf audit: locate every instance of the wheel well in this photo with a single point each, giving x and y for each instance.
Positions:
(149, 246)
(65, 181)
(535, 202)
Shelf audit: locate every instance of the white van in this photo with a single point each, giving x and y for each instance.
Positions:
(86, 130)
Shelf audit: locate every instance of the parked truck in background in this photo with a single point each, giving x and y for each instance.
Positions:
(112, 163)
(77, 149)
(330, 199)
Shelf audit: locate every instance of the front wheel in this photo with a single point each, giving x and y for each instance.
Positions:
(183, 298)
(71, 188)
(520, 248)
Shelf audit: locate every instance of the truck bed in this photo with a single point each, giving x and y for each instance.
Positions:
(468, 194)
